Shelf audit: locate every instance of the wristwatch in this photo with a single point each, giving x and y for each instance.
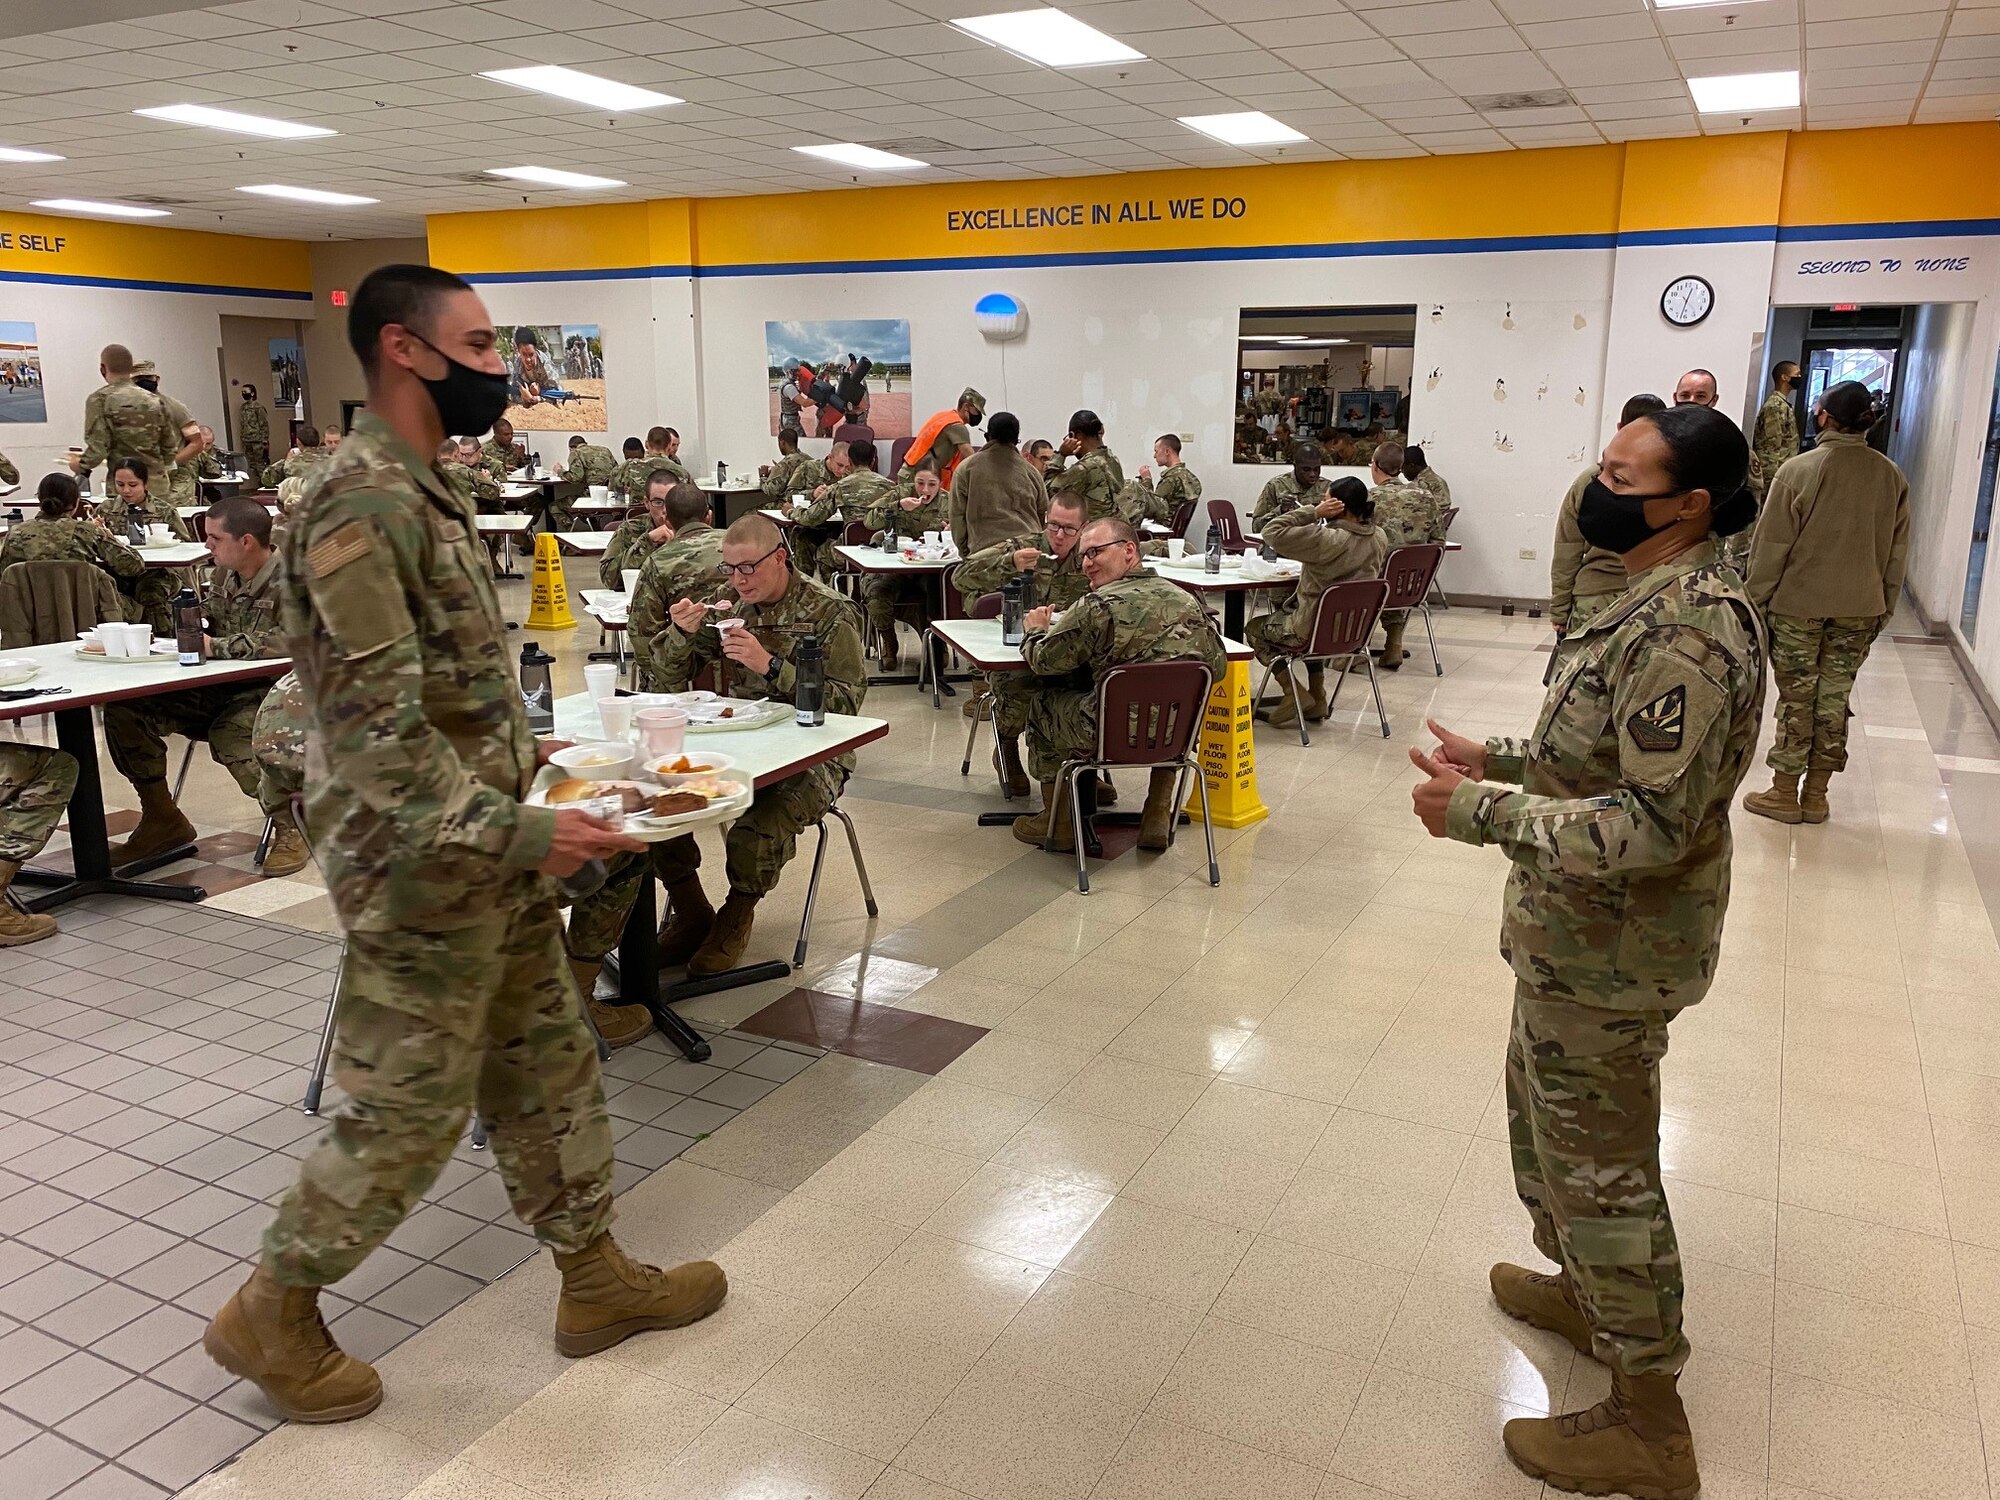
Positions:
(771, 672)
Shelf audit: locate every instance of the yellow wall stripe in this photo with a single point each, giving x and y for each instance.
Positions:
(43, 247)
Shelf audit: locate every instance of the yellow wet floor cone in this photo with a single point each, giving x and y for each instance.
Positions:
(548, 608)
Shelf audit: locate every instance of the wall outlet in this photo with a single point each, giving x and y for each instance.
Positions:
(1527, 554)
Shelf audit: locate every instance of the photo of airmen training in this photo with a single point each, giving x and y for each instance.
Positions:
(1137, 750)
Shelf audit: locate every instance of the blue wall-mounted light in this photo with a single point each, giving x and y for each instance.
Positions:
(1000, 316)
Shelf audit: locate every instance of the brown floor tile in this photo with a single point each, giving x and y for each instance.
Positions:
(875, 1033)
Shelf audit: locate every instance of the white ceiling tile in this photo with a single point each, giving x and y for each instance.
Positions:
(1874, 55)
(1442, 15)
(1505, 73)
(1960, 88)
(1860, 114)
(1966, 67)
(1970, 46)
(840, 16)
(818, 52)
(1683, 20)
(1300, 31)
(1710, 46)
(1238, 11)
(1524, 12)
(1945, 111)
(1617, 62)
(1344, 54)
(1484, 41)
(1966, 22)
(1116, 17)
(1190, 41)
(1874, 29)
(1588, 31)
(1870, 93)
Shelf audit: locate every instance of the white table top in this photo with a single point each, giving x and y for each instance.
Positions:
(503, 525)
(189, 512)
(978, 641)
(1227, 581)
(91, 682)
(764, 755)
(222, 479)
(592, 543)
(875, 560)
(180, 555)
(781, 517)
(606, 506)
(732, 487)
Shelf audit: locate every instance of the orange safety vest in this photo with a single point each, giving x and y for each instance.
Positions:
(926, 439)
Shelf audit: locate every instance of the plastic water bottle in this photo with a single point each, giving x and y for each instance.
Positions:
(1211, 561)
(188, 634)
(537, 692)
(809, 694)
(1012, 631)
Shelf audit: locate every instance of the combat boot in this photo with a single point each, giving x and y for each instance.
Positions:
(1634, 1442)
(287, 853)
(730, 936)
(1034, 829)
(1315, 704)
(690, 919)
(892, 650)
(18, 927)
(618, 1025)
(162, 827)
(1391, 659)
(607, 1297)
(1781, 802)
(273, 1336)
(1543, 1300)
(1107, 794)
(1812, 797)
(1286, 712)
(1007, 761)
(1156, 823)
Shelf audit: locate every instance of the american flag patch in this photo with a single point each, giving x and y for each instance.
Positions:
(338, 548)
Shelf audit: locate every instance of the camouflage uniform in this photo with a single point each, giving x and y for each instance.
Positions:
(1056, 582)
(301, 465)
(1406, 515)
(474, 486)
(1283, 493)
(8, 473)
(1612, 923)
(854, 496)
(40, 539)
(243, 623)
(1094, 478)
(589, 464)
(688, 567)
(762, 841)
(499, 461)
(1330, 554)
(153, 591)
(253, 431)
(629, 482)
(1140, 617)
(1157, 500)
(793, 474)
(278, 740)
(630, 545)
(114, 513)
(35, 783)
(1583, 580)
(180, 478)
(455, 990)
(890, 596)
(123, 420)
(1774, 440)
(208, 465)
(1433, 481)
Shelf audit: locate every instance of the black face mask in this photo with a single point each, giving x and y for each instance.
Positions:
(467, 400)
(1616, 522)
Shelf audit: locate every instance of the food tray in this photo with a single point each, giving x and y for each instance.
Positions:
(651, 830)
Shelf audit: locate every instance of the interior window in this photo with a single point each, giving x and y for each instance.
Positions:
(1341, 375)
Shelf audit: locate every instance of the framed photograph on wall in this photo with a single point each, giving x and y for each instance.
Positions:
(21, 398)
(857, 373)
(555, 376)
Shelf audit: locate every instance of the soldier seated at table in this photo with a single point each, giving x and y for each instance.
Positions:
(687, 567)
(794, 473)
(61, 531)
(129, 501)
(243, 625)
(1131, 614)
(589, 463)
(460, 466)
(893, 597)
(35, 783)
(1335, 540)
(1301, 487)
(1049, 563)
(301, 463)
(661, 455)
(634, 541)
(780, 607)
(852, 494)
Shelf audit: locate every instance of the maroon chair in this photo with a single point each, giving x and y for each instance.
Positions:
(931, 668)
(1343, 620)
(1409, 572)
(898, 451)
(1445, 519)
(1149, 714)
(1222, 513)
(985, 607)
(854, 432)
(1183, 513)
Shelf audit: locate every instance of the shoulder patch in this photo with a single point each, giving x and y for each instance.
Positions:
(338, 548)
(1661, 725)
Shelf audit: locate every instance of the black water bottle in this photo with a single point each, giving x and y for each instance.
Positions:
(809, 694)
(135, 526)
(537, 691)
(1012, 600)
(189, 636)
(1211, 561)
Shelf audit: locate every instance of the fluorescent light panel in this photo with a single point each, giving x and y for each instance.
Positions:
(233, 121)
(1050, 37)
(109, 210)
(1691, 4)
(16, 153)
(866, 157)
(554, 177)
(1745, 93)
(581, 88)
(1250, 128)
(308, 195)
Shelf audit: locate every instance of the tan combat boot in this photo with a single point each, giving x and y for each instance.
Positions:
(1781, 802)
(1634, 1442)
(18, 927)
(1034, 829)
(1541, 1299)
(1007, 762)
(892, 649)
(619, 1025)
(607, 1297)
(287, 854)
(690, 919)
(1391, 659)
(729, 937)
(1107, 794)
(273, 1336)
(1156, 823)
(162, 827)
(1812, 797)
(1286, 712)
(1315, 704)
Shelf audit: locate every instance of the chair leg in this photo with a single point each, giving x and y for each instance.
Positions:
(993, 720)
(1376, 683)
(972, 734)
(812, 896)
(264, 840)
(478, 1134)
(1298, 698)
(1061, 789)
(181, 779)
(316, 1080)
(1431, 636)
(1076, 829)
(1207, 827)
(1264, 682)
(860, 865)
(1339, 681)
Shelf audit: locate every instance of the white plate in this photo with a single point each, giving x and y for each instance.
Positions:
(702, 717)
(161, 653)
(17, 669)
(650, 830)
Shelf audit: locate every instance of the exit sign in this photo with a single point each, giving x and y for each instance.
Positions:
(339, 298)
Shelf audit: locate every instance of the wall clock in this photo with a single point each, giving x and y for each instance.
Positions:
(1686, 301)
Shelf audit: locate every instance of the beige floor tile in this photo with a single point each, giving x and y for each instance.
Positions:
(1080, 1019)
(1450, 1329)
(1862, 1447)
(1967, 1150)
(1068, 1145)
(1017, 1214)
(1010, 1064)
(1391, 1151)
(958, 1117)
(1734, 1163)
(448, 1384)
(1157, 1252)
(1356, 1217)
(553, 1444)
(1960, 1095)
(900, 1484)
(356, 1460)
(1164, 1460)
(1430, 1096)
(1172, 1042)
(1346, 1306)
(1728, 1228)
(1973, 1208)
(810, 1250)
(1278, 1126)
(975, 999)
(955, 1294)
(1137, 1093)
(1339, 1487)
(1304, 1069)
(460, 1480)
(1231, 1000)
(1006, 1435)
(1208, 1181)
(1273, 1393)
(726, 1353)
(1871, 1261)
(1836, 1182)
(1978, 1284)
(1908, 1357)
(1832, 1122)
(1419, 1438)
(745, 1455)
(887, 1177)
(1097, 1338)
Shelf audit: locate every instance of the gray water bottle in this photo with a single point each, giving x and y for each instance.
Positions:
(537, 690)
(809, 674)
(1211, 560)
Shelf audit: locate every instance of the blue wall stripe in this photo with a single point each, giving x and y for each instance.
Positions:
(618, 273)
(119, 283)
(1909, 229)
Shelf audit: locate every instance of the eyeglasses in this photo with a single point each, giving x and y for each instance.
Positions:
(1056, 528)
(1090, 552)
(744, 570)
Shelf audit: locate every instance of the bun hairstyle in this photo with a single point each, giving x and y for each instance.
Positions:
(1086, 424)
(57, 495)
(1850, 405)
(1353, 494)
(1707, 451)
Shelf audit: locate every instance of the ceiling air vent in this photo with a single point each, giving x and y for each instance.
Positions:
(924, 147)
(1497, 104)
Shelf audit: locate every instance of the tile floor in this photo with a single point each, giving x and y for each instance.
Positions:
(1205, 1207)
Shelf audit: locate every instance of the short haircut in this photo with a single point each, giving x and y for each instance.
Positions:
(241, 516)
(57, 495)
(448, 449)
(685, 503)
(861, 452)
(660, 479)
(1040, 445)
(1119, 528)
(467, 442)
(1172, 440)
(404, 295)
(1069, 500)
(1389, 457)
(577, 441)
(1086, 423)
(140, 469)
(1414, 461)
(1708, 375)
(1783, 365)
(500, 422)
(1642, 405)
(309, 436)
(753, 530)
(1003, 427)
(1307, 453)
(116, 359)
(634, 447)
(788, 440)
(658, 437)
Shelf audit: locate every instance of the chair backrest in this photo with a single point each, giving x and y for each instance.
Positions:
(1408, 572)
(1344, 618)
(47, 603)
(1445, 518)
(856, 534)
(854, 432)
(898, 451)
(954, 602)
(1183, 513)
(1222, 513)
(1149, 712)
(985, 607)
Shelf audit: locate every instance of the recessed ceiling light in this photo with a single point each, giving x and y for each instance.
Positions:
(554, 177)
(850, 155)
(232, 120)
(582, 88)
(15, 153)
(1745, 93)
(1250, 128)
(110, 210)
(1049, 36)
(308, 195)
